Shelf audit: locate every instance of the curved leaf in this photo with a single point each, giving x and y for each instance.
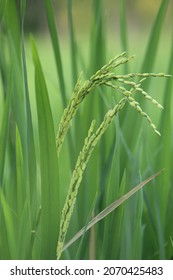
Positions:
(109, 209)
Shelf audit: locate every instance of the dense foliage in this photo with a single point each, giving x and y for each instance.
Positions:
(36, 83)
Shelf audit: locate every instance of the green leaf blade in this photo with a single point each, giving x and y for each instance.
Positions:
(110, 208)
(48, 165)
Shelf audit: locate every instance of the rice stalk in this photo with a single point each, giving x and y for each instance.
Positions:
(102, 76)
(84, 156)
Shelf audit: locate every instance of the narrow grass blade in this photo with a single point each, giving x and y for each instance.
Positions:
(94, 105)
(22, 8)
(30, 138)
(110, 208)
(123, 31)
(98, 55)
(21, 191)
(171, 242)
(160, 231)
(49, 165)
(59, 65)
(114, 178)
(114, 221)
(74, 74)
(148, 64)
(24, 248)
(152, 47)
(3, 67)
(18, 95)
(138, 233)
(117, 222)
(24, 245)
(113, 189)
(72, 44)
(4, 129)
(9, 225)
(79, 251)
(165, 156)
(56, 48)
(2, 8)
(12, 24)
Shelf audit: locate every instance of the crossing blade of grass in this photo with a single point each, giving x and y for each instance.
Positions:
(48, 165)
(110, 208)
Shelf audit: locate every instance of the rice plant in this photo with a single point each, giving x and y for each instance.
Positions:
(73, 167)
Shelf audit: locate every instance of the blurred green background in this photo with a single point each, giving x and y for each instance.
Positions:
(140, 14)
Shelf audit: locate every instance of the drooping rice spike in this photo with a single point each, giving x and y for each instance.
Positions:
(104, 76)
